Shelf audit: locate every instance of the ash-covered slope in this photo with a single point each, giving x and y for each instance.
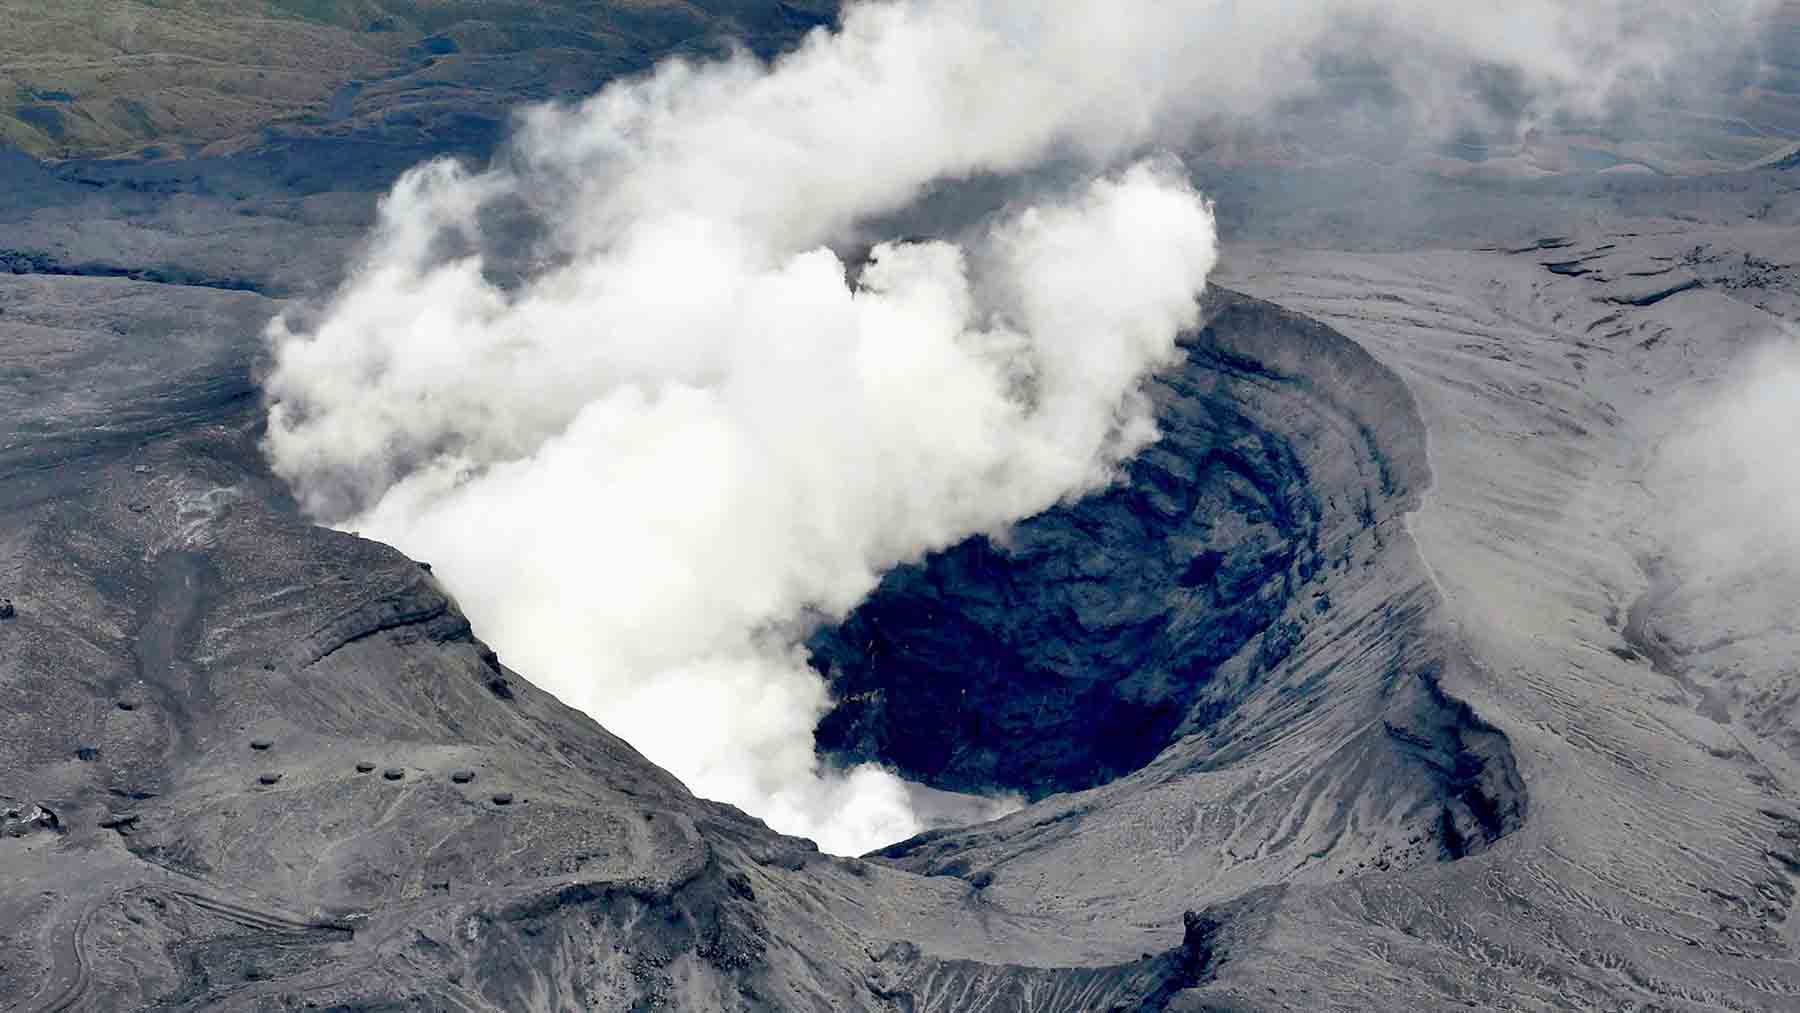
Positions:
(1646, 689)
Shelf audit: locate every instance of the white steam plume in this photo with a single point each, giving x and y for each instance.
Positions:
(639, 473)
(1729, 503)
(690, 430)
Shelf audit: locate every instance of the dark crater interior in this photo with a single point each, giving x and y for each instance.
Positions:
(1070, 653)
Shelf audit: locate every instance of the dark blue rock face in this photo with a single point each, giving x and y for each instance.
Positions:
(1076, 648)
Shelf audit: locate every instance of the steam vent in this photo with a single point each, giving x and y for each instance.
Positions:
(931, 507)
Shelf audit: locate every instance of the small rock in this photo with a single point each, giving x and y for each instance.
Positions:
(393, 774)
(141, 469)
(260, 744)
(462, 776)
(17, 821)
(740, 885)
(270, 778)
(503, 798)
(364, 766)
(1198, 932)
(439, 45)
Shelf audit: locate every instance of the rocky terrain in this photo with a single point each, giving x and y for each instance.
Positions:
(1387, 679)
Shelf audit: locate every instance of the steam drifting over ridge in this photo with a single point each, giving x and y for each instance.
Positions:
(686, 429)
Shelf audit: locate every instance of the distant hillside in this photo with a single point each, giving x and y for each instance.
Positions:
(170, 77)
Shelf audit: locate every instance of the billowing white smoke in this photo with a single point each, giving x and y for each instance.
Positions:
(690, 429)
(641, 473)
